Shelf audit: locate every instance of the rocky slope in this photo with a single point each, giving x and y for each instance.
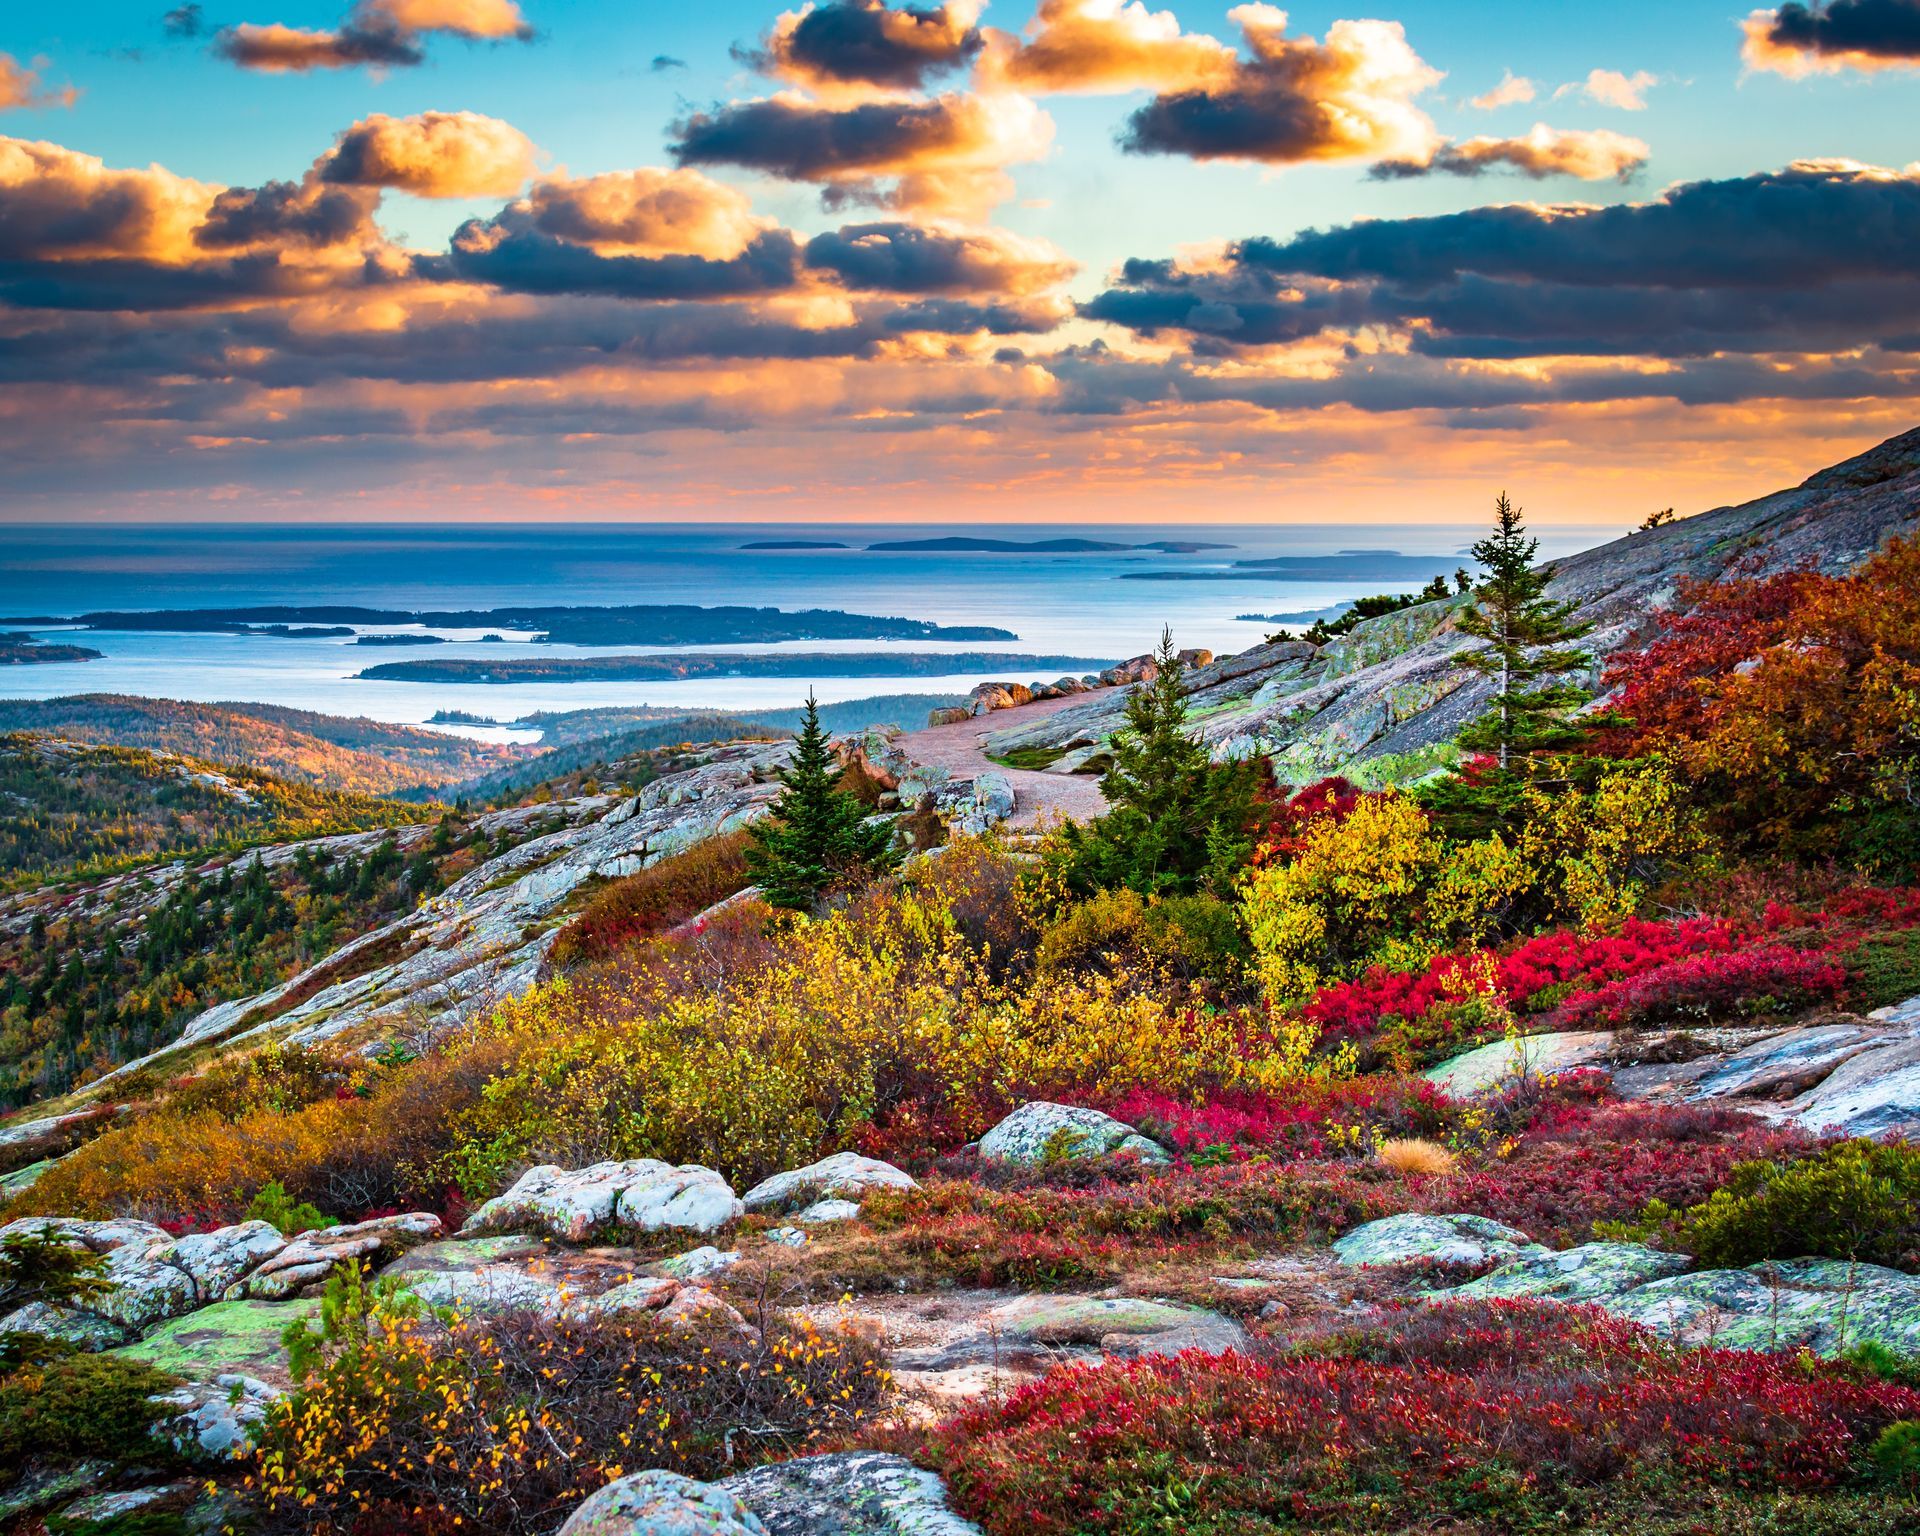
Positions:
(1388, 697)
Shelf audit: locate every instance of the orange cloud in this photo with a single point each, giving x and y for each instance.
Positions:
(376, 32)
(846, 49)
(432, 154)
(1106, 45)
(1349, 98)
(57, 204)
(1589, 154)
(1800, 40)
(646, 212)
(1512, 90)
(20, 87)
(944, 155)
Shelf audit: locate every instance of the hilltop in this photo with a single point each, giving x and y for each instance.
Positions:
(355, 755)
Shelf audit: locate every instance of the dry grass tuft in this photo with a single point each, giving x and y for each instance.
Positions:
(1414, 1154)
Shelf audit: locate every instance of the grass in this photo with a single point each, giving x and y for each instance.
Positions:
(1031, 759)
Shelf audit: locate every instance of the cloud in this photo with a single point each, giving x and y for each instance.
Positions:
(842, 43)
(1512, 90)
(183, 21)
(432, 154)
(646, 212)
(1589, 154)
(1610, 88)
(944, 154)
(1106, 45)
(1801, 40)
(1349, 98)
(1738, 266)
(915, 258)
(57, 204)
(381, 33)
(662, 62)
(20, 87)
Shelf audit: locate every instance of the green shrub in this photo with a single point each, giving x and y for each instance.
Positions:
(1195, 937)
(1854, 1200)
(1198, 936)
(287, 1217)
(1896, 1451)
(1874, 1358)
(1884, 969)
(83, 1405)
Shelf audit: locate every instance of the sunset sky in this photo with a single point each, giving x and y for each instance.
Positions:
(577, 259)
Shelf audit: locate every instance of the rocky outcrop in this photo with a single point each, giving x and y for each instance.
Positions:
(850, 1493)
(1464, 1240)
(845, 1175)
(644, 1193)
(1842, 1076)
(1384, 701)
(153, 1277)
(1040, 1132)
(215, 1421)
(660, 1503)
(1825, 1305)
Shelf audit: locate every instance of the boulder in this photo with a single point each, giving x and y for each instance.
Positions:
(699, 1263)
(847, 1493)
(1875, 1092)
(843, 1176)
(151, 1276)
(157, 1507)
(643, 1193)
(1825, 1305)
(214, 1421)
(488, 1288)
(1491, 1067)
(1410, 1239)
(312, 1256)
(694, 1306)
(1039, 1131)
(827, 1210)
(951, 714)
(660, 1503)
(991, 696)
(1586, 1273)
(647, 1293)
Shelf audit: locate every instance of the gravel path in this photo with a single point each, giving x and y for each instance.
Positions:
(1036, 796)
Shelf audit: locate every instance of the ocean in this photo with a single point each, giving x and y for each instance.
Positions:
(1083, 604)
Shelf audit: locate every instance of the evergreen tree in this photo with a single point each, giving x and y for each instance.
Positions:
(818, 834)
(1528, 645)
(1175, 817)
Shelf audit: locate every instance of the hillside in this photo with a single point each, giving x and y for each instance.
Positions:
(1390, 694)
(68, 806)
(1532, 1149)
(355, 755)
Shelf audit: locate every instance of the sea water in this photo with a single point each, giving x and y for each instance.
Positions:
(1082, 604)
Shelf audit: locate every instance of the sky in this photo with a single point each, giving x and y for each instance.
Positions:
(1044, 260)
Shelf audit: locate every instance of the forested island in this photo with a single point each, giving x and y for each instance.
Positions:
(679, 668)
(636, 624)
(963, 545)
(22, 650)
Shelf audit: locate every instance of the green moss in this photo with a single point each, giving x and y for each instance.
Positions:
(228, 1336)
(1033, 759)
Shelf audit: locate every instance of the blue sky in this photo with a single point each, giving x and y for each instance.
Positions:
(585, 91)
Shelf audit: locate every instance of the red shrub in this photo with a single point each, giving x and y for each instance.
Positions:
(1706, 987)
(1495, 1416)
(1606, 1165)
(1288, 818)
(1296, 1124)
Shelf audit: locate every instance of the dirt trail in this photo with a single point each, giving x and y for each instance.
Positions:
(1036, 796)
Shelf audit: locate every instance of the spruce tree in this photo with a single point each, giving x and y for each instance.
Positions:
(1174, 816)
(818, 835)
(1528, 643)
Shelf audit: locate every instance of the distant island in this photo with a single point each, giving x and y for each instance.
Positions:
(18, 650)
(460, 717)
(640, 624)
(1351, 565)
(966, 545)
(1304, 616)
(712, 664)
(301, 631)
(400, 640)
(796, 544)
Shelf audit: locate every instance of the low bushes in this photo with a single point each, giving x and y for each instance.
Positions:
(1853, 1200)
(1706, 989)
(1193, 938)
(74, 1407)
(641, 905)
(1562, 1183)
(410, 1420)
(1495, 1417)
